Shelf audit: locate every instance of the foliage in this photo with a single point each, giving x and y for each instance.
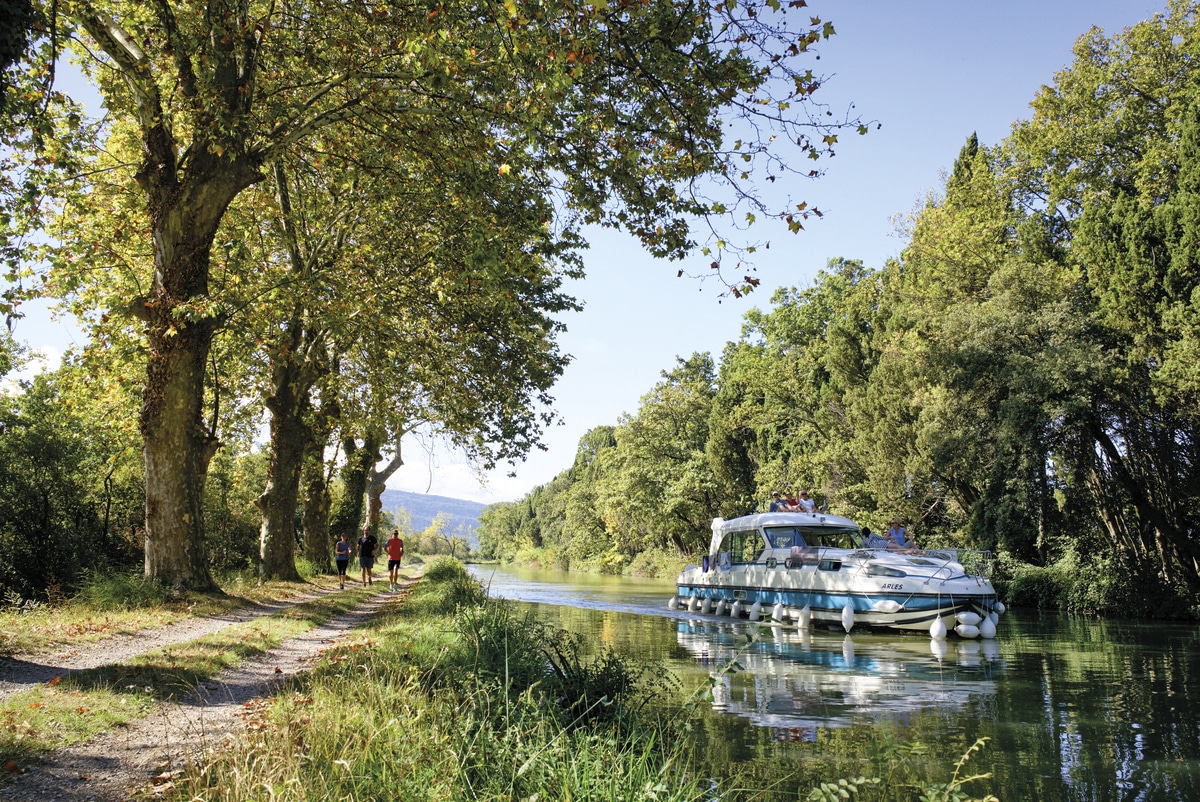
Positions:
(1021, 379)
(68, 503)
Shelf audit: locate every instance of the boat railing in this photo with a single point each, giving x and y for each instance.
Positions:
(974, 562)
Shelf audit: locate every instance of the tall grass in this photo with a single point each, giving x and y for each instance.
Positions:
(456, 697)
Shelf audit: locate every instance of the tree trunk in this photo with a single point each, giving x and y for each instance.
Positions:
(280, 499)
(177, 448)
(377, 483)
(315, 520)
(353, 476)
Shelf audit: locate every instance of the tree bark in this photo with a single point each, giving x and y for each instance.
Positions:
(280, 500)
(177, 448)
(353, 476)
(377, 483)
(315, 519)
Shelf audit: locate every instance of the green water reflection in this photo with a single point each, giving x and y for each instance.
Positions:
(1075, 709)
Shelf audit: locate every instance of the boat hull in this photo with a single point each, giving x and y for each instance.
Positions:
(871, 609)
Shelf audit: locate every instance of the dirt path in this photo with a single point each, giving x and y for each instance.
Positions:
(26, 671)
(108, 768)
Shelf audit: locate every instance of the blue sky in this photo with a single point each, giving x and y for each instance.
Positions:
(929, 72)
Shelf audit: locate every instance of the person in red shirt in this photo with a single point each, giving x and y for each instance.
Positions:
(395, 550)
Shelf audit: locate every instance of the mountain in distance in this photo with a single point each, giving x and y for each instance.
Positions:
(423, 508)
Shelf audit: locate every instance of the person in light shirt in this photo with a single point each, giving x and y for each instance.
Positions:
(804, 503)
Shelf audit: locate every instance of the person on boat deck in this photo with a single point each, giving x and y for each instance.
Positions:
(805, 504)
(898, 537)
(777, 504)
(873, 540)
(790, 503)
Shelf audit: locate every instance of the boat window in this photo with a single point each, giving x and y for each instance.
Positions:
(743, 547)
(882, 570)
(784, 537)
(837, 537)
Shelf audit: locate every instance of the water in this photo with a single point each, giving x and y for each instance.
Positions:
(1075, 709)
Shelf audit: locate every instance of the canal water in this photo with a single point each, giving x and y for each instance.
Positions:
(1074, 709)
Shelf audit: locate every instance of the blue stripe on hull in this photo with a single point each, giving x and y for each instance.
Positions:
(932, 604)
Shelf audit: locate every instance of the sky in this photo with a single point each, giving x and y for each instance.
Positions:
(930, 73)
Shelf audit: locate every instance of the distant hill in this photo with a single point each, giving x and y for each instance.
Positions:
(422, 508)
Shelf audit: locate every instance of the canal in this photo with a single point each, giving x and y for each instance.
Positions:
(1074, 709)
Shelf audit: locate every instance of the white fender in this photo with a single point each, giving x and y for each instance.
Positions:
(888, 606)
(968, 618)
(706, 606)
(937, 630)
(755, 611)
(736, 610)
(987, 629)
(998, 607)
(847, 617)
(777, 611)
(694, 604)
(994, 617)
(720, 607)
(673, 604)
(805, 618)
(967, 631)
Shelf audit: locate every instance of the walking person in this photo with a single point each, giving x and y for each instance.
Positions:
(395, 550)
(341, 554)
(366, 555)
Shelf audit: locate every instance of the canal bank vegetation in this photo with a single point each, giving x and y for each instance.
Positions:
(1024, 378)
(453, 696)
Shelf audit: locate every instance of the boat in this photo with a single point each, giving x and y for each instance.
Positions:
(817, 569)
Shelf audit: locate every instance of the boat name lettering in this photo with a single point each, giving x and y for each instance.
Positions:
(892, 586)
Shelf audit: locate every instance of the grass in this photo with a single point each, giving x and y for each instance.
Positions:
(122, 604)
(83, 704)
(451, 697)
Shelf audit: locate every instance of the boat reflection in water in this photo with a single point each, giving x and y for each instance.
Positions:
(797, 682)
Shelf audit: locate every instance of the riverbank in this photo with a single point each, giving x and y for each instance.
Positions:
(453, 696)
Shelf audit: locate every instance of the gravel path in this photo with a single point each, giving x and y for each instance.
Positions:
(23, 672)
(110, 767)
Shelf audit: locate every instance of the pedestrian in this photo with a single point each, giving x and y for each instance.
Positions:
(341, 553)
(395, 550)
(366, 555)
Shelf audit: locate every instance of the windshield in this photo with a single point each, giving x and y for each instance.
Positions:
(838, 537)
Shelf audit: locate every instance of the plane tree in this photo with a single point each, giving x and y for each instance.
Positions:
(621, 108)
(419, 293)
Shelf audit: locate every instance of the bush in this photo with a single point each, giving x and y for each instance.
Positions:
(1107, 584)
(126, 590)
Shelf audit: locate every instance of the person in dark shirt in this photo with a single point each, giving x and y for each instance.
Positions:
(366, 555)
(777, 504)
(342, 555)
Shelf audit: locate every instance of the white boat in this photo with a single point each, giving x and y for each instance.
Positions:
(814, 569)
